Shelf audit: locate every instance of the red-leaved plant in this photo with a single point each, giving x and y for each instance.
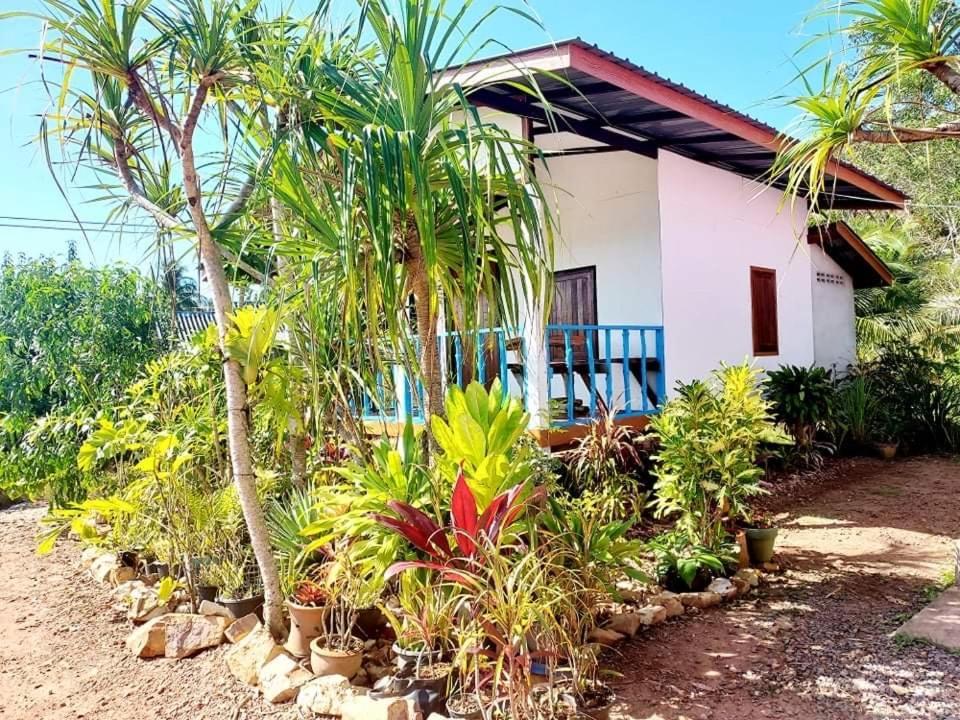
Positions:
(471, 530)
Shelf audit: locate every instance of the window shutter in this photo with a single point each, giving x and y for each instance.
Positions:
(763, 297)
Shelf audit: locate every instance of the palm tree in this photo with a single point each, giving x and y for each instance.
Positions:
(921, 309)
(403, 187)
(135, 86)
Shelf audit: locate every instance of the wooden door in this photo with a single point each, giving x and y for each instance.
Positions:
(574, 303)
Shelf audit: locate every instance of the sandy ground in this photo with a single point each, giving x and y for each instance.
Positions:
(861, 546)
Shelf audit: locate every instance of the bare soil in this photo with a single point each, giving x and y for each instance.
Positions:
(862, 547)
(862, 544)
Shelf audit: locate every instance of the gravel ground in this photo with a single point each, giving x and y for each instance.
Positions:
(862, 544)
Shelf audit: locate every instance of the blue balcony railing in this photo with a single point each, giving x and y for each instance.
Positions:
(620, 367)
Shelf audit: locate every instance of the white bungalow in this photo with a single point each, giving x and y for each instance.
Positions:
(674, 255)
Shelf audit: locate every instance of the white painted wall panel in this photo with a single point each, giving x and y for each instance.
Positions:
(834, 321)
(714, 226)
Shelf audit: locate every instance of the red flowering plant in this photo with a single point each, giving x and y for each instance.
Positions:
(471, 528)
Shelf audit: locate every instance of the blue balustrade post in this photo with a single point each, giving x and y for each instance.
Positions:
(481, 364)
(501, 336)
(458, 357)
(593, 374)
(568, 356)
(606, 332)
(644, 400)
(662, 372)
(627, 402)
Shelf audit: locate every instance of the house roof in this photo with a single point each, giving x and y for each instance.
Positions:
(190, 322)
(609, 99)
(851, 253)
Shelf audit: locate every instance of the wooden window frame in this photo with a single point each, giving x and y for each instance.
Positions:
(757, 351)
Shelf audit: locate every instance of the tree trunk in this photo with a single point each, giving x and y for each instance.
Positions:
(426, 333)
(236, 389)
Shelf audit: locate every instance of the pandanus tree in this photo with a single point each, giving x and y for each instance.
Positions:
(405, 189)
(140, 87)
(889, 42)
(897, 87)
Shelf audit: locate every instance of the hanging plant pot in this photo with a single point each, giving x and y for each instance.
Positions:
(326, 660)
(306, 624)
(760, 542)
(242, 607)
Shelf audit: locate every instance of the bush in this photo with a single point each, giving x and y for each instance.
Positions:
(709, 436)
(803, 399)
(904, 396)
(608, 468)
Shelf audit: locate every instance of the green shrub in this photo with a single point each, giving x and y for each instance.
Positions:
(803, 399)
(710, 434)
(682, 565)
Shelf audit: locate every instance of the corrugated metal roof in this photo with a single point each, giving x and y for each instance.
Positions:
(190, 322)
(579, 98)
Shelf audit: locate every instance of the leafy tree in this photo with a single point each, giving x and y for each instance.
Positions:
(71, 338)
(891, 107)
(145, 82)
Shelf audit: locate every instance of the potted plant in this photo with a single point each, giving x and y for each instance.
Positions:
(240, 591)
(337, 651)
(761, 537)
(206, 583)
(887, 427)
(421, 618)
(307, 606)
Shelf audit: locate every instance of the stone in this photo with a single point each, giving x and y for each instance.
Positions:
(749, 575)
(375, 671)
(743, 586)
(364, 707)
(625, 623)
(281, 679)
(101, 568)
(653, 614)
(769, 567)
(699, 600)
(149, 640)
(326, 695)
(250, 654)
(239, 629)
(631, 591)
(122, 574)
(605, 637)
(188, 634)
(437, 716)
(724, 588)
(144, 605)
(212, 608)
(670, 602)
(938, 623)
(88, 555)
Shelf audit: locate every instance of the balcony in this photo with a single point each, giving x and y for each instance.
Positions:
(584, 368)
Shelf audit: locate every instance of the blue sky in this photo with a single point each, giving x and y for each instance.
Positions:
(736, 51)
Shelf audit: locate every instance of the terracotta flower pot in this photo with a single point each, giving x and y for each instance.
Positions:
(329, 661)
(888, 450)
(306, 623)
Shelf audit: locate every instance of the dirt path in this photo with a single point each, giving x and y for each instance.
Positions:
(860, 553)
(859, 550)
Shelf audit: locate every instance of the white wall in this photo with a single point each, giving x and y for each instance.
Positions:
(607, 207)
(834, 322)
(714, 225)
